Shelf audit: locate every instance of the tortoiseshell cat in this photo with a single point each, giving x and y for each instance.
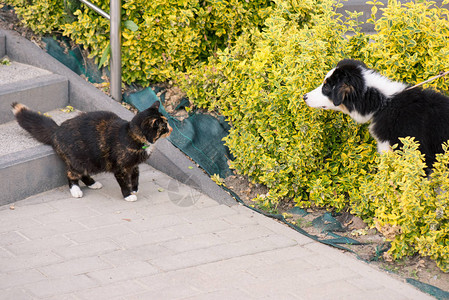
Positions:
(96, 142)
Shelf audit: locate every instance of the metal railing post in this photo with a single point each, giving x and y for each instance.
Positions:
(114, 17)
(116, 49)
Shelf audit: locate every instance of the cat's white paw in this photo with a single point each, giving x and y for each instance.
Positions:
(97, 185)
(131, 198)
(76, 191)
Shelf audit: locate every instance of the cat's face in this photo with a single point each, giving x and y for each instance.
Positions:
(153, 124)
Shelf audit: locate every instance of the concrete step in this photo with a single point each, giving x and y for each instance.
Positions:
(32, 86)
(26, 166)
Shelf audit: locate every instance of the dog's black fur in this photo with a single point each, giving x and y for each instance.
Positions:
(416, 112)
(97, 142)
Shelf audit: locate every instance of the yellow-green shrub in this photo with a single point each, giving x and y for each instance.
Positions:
(297, 152)
(170, 34)
(41, 16)
(411, 210)
(411, 43)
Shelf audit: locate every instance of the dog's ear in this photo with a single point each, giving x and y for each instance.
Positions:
(342, 93)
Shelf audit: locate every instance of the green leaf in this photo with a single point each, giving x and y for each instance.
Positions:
(104, 56)
(131, 25)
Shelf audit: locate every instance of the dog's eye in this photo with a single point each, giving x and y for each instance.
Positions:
(326, 88)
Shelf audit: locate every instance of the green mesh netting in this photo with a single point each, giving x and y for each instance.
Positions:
(60, 49)
(429, 289)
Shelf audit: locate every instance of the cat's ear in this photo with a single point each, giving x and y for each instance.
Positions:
(156, 105)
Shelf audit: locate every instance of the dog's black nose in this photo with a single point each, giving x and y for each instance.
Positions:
(304, 97)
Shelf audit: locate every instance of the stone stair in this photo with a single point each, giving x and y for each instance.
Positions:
(37, 88)
(26, 166)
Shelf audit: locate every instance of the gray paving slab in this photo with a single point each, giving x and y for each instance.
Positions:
(53, 246)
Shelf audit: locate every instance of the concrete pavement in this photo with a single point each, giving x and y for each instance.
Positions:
(173, 243)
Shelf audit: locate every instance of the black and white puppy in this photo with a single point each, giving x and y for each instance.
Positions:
(394, 110)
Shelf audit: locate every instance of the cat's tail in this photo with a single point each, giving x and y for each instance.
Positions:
(39, 126)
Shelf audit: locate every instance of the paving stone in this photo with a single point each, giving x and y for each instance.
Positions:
(331, 290)
(19, 278)
(178, 291)
(142, 253)
(105, 204)
(112, 291)
(233, 293)
(68, 214)
(123, 272)
(365, 284)
(28, 261)
(166, 208)
(228, 267)
(74, 267)
(5, 253)
(60, 286)
(199, 226)
(200, 241)
(380, 294)
(16, 294)
(282, 254)
(186, 277)
(146, 223)
(231, 279)
(239, 220)
(241, 233)
(142, 238)
(68, 296)
(12, 237)
(281, 269)
(108, 219)
(208, 213)
(49, 230)
(39, 245)
(31, 210)
(186, 259)
(10, 223)
(99, 233)
(323, 276)
(284, 288)
(91, 248)
(250, 246)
